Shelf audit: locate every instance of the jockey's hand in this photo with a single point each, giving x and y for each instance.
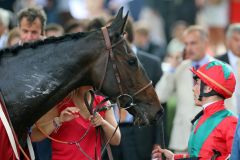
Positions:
(69, 113)
(158, 151)
(97, 120)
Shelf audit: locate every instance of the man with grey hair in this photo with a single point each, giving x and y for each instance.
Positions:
(4, 23)
(232, 57)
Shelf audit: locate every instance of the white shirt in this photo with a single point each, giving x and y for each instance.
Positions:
(207, 104)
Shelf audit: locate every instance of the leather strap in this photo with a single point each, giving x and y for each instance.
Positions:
(109, 48)
(30, 148)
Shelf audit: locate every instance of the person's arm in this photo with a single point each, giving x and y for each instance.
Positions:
(158, 152)
(229, 132)
(46, 124)
(108, 125)
(51, 121)
(165, 87)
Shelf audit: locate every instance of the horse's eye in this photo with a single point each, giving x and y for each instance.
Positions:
(132, 61)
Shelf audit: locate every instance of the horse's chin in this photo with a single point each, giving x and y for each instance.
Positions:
(142, 118)
(141, 122)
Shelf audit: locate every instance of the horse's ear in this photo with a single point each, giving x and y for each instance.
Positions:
(118, 23)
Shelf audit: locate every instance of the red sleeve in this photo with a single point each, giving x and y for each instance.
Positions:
(180, 156)
(229, 131)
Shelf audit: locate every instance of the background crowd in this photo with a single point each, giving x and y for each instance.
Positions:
(154, 32)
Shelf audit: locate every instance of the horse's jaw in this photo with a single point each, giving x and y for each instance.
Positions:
(143, 118)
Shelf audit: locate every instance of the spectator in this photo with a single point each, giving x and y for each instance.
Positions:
(4, 23)
(74, 26)
(54, 29)
(13, 37)
(95, 24)
(31, 22)
(175, 48)
(143, 42)
(232, 57)
(211, 9)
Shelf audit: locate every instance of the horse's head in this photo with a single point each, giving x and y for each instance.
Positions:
(122, 77)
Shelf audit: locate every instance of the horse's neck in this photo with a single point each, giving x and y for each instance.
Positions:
(45, 78)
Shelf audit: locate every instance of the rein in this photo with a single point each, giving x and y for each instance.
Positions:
(77, 143)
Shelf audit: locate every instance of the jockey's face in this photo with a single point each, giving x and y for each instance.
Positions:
(196, 91)
(30, 32)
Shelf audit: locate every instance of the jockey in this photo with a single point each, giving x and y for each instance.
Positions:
(214, 127)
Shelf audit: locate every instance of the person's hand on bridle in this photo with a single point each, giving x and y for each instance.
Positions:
(97, 120)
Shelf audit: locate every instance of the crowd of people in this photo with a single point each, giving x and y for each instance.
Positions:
(205, 123)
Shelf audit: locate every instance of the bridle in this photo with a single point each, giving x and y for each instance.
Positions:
(109, 48)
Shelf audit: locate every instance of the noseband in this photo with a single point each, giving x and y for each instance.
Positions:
(115, 68)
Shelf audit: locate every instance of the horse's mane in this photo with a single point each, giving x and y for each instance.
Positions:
(15, 49)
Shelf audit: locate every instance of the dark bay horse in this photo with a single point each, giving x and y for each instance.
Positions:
(36, 76)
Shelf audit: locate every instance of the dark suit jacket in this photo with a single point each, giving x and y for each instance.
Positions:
(151, 64)
(223, 58)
